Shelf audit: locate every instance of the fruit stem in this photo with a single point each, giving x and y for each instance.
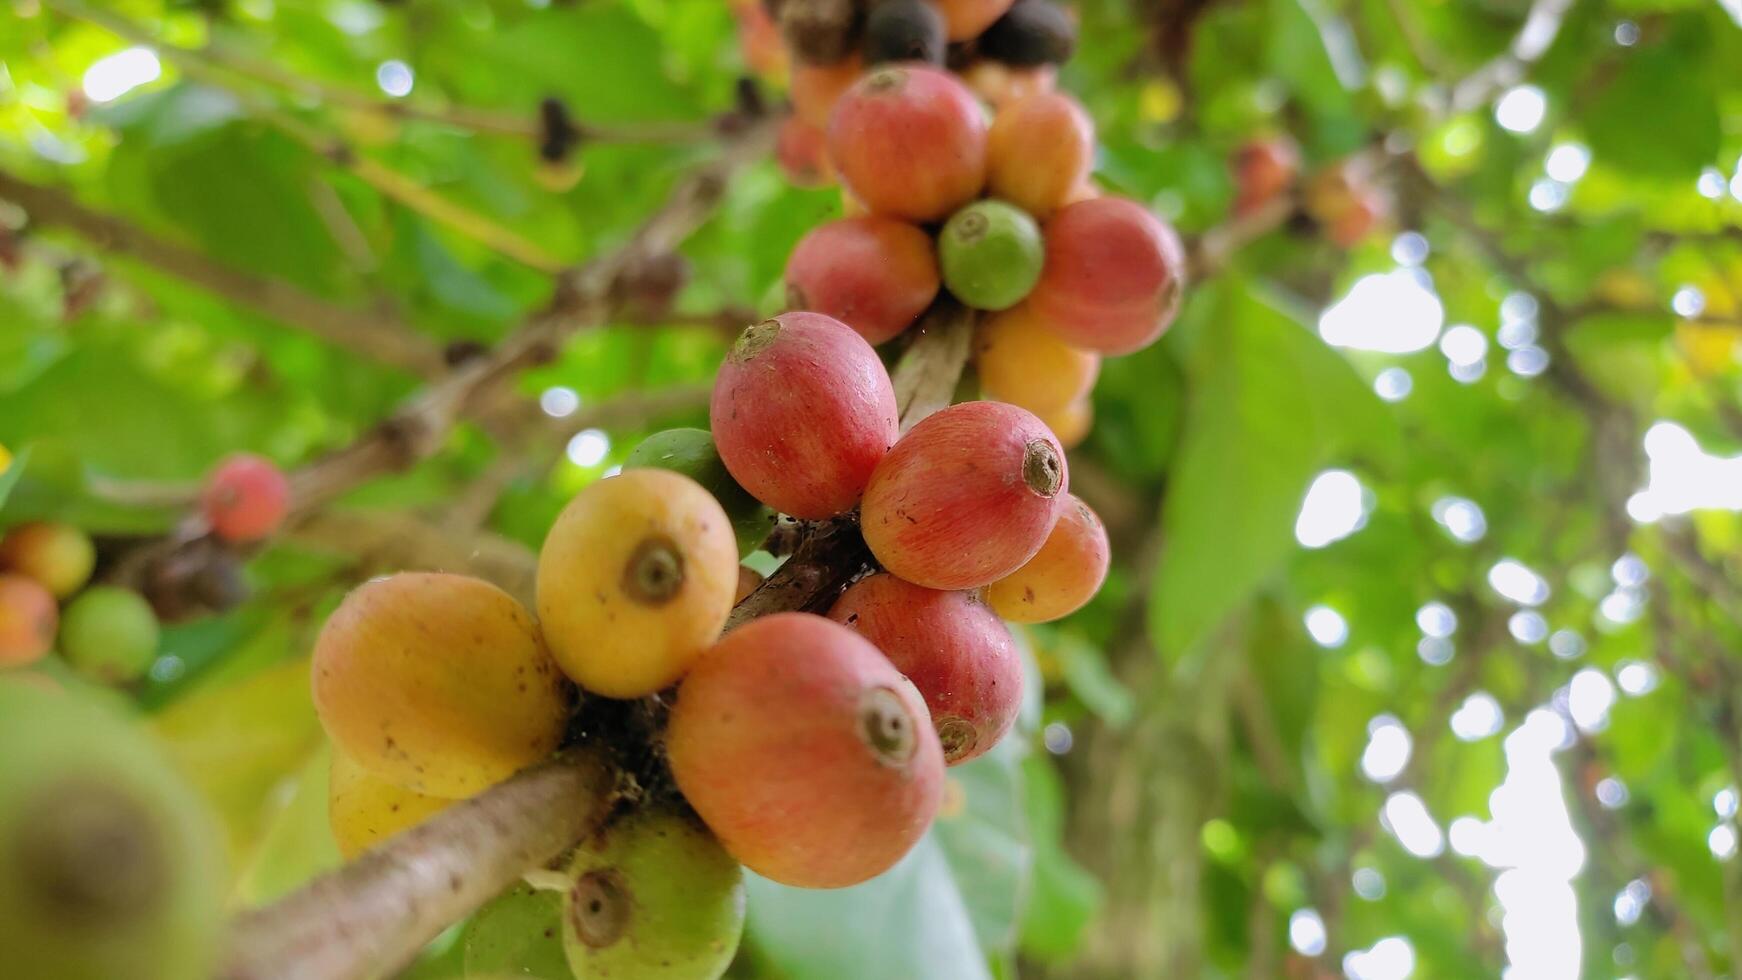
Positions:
(926, 376)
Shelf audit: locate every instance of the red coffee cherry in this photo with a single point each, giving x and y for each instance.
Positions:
(1264, 169)
(1113, 275)
(28, 620)
(1040, 148)
(1063, 576)
(876, 275)
(952, 647)
(802, 151)
(966, 497)
(246, 498)
(806, 752)
(910, 142)
(802, 411)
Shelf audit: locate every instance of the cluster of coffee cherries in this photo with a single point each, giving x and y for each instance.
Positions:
(1343, 199)
(109, 633)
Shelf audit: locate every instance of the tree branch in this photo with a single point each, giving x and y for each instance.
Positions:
(1541, 26)
(376, 334)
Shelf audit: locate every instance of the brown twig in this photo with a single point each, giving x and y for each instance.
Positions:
(931, 367)
(376, 334)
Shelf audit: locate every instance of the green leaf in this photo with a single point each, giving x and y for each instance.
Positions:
(986, 842)
(1683, 119)
(13, 472)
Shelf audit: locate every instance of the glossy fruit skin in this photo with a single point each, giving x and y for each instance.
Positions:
(109, 634)
(112, 864)
(1000, 84)
(952, 647)
(991, 254)
(364, 810)
(806, 752)
(817, 88)
(635, 579)
(517, 934)
(966, 497)
(1021, 361)
(28, 620)
(1033, 32)
(655, 897)
(1113, 278)
(802, 151)
(437, 683)
(1063, 576)
(59, 556)
(692, 453)
(1039, 150)
(910, 142)
(904, 30)
(965, 19)
(802, 412)
(875, 274)
(1071, 423)
(246, 498)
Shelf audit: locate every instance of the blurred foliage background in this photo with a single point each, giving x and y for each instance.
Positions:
(1420, 652)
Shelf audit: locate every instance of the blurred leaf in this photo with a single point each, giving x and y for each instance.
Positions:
(1684, 118)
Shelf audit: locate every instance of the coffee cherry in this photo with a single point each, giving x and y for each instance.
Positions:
(749, 580)
(1072, 422)
(246, 498)
(437, 683)
(1063, 576)
(1264, 169)
(692, 453)
(904, 30)
(111, 864)
(654, 897)
(876, 275)
(635, 580)
(1022, 362)
(517, 934)
(910, 141)
(1039, 150)
(965, 19)
(806, 752)
(802, 151)
(364, 809)
(1034, 32)
(1357, 219)
(1001, 85)
(816, 88)
(954, 650)
(802, 411)
(991, 254)
(28, 620)
(966, 497)
(1113, 277)
(58, 556)
(759, 39)
(820, 32)
(109, 634)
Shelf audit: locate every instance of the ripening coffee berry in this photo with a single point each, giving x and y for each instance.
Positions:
(1039, 150)
(806, 752)
(1001, 85)
(816, 88)
(802, 412)
(876, 275)
(58, 556)
(1034, 32)
(1022, 362)
(109, 634)
(966, 497)
(909, 141)
(1357, 219)
(655, 897)
(438, 683)
(635, 580)
(1264, 169)
(1072, 422)
(363, 809)
(952, 647)
(692, 453)
(1113, 277)
(112, 864)
(904, 30)
(802, 151)
(1063, 576)
(28, 620)
(991, 254)
(246, 498)
(965, 19)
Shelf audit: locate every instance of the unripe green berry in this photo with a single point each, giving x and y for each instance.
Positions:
(991, 253)
(109, 633)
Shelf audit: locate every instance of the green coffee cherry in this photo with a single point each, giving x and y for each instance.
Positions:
(518, 934)
(991, 253)
(109, 634)
(692, 453)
